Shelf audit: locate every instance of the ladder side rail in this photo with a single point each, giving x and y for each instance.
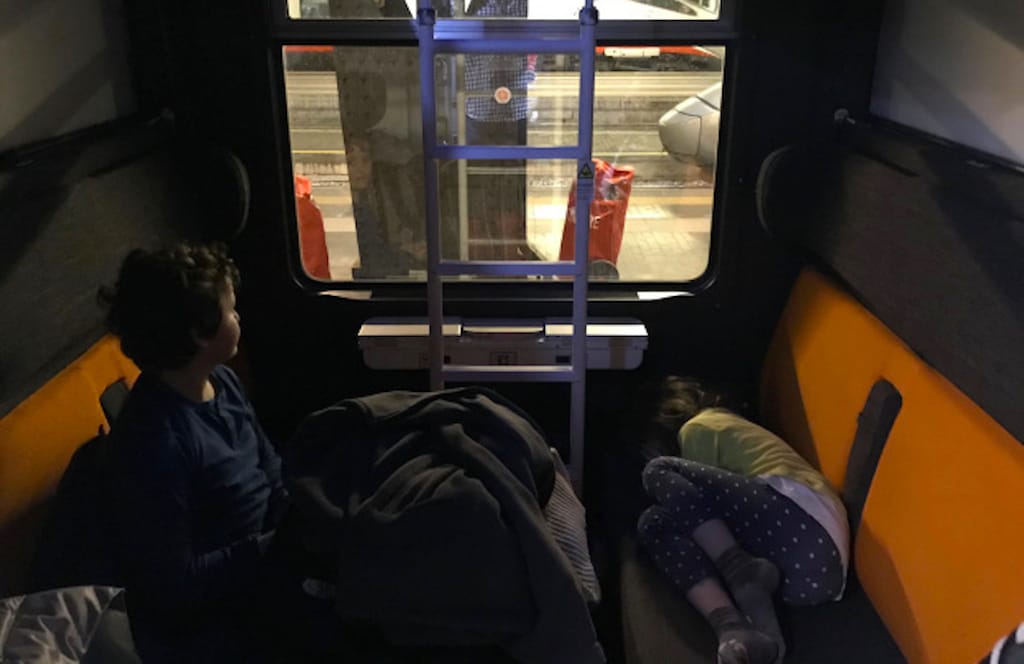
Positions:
(426, 18)
(584, 196)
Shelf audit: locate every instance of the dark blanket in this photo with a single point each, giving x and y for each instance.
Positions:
(430, 504)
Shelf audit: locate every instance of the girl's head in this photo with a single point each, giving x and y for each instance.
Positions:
(667, 405)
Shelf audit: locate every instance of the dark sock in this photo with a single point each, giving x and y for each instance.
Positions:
(738, 641)
(752, 582)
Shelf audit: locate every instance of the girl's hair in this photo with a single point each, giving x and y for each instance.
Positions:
(666, 406)
(163, 299)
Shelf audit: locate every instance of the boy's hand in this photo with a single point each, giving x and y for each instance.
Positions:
(277, 505)
(264, 541)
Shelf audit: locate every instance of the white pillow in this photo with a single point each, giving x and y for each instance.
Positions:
(56, 626)
(567, 521)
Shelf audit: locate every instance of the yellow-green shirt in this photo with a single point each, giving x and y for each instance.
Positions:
(718, 437)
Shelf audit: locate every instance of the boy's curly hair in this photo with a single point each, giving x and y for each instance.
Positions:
(164, 298)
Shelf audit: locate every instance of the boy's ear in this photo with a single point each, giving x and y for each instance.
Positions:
(200, 341)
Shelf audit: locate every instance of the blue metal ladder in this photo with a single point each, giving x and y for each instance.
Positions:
(477, 36)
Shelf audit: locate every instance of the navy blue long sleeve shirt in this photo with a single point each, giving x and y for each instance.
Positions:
(194, 484)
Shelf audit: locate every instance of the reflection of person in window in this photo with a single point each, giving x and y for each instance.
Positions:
(378, 93)
(386, 182)
(383, 155)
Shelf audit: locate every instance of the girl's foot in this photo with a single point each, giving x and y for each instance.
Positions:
(747, 646)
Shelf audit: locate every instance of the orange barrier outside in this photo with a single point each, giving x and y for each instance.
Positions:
(312, 235)
(612, 186)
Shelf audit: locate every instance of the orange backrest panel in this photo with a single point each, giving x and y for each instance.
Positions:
(826, 353)
(939, 546)
(940, 550)
(37, 440)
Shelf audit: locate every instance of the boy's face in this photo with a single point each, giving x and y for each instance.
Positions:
(223, 345)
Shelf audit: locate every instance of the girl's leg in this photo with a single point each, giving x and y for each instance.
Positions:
(766, 524)
(697, 495)
(686, 565)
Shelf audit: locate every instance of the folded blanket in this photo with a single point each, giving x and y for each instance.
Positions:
(431, 505)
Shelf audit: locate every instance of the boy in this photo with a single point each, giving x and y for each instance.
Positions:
(196, 484)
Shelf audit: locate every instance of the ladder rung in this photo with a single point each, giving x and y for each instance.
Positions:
(523, 45)
(508, 268)
(504, 152)
(506, 29)
(541, 373)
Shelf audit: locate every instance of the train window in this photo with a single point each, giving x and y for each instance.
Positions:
(644, 10)
(354, 121)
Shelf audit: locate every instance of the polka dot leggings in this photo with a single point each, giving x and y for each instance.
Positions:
(765, 523)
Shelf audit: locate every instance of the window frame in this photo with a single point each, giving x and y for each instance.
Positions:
(286, 31)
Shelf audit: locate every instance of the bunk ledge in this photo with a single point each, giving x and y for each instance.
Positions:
(932, 484)
(37, 440)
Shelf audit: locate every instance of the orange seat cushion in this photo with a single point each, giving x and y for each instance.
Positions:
(939, 546)
(37, 440)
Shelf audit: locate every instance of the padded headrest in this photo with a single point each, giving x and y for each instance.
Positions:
(902, 220)
(791, 186)
(766, 190)
(222, 183)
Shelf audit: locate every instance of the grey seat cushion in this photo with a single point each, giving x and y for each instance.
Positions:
(660, 626)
